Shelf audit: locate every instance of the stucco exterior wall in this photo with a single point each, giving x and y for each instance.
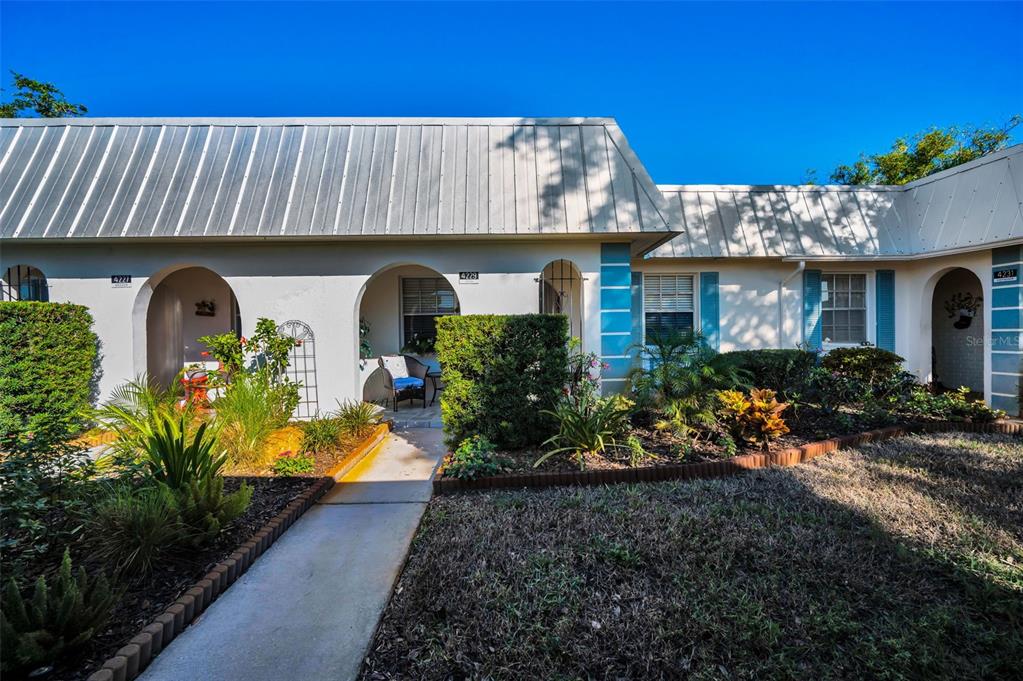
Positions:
(751, 316)
(321, 284)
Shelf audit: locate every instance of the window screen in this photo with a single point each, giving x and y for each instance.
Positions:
(844, 308)
(422, 301)
(668, 303)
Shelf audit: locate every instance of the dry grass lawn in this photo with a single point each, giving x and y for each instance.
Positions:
(900, 560)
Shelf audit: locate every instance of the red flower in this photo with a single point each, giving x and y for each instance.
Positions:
(205, 354)
(243, 340)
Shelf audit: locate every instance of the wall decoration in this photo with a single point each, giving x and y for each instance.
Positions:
(206, 308)
(964, 306)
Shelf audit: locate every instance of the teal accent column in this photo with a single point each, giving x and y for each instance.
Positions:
(884, 288)
(617, 324)
(1006, 328)
(812, 309)
(637, 308)
(710, 309)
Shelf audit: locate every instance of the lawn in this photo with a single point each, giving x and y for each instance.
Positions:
(899, 560)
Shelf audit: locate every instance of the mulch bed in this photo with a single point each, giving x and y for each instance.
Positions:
(664, 448)
(146, 599)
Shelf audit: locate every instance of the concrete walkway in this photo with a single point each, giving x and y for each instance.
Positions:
(309, 606)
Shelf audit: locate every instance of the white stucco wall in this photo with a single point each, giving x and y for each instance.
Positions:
(750, 313)
(318, 283)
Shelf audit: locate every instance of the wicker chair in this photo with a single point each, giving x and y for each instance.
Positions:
(404, 377)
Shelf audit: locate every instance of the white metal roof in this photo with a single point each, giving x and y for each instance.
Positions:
(322, 177)
(973, 205)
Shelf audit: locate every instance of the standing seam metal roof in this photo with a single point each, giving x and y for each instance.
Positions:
(107, 178)
(969, 206)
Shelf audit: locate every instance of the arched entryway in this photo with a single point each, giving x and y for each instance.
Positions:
(561, 292)
(397, 312)
(185, 305)
(24, 282)
(957, 332)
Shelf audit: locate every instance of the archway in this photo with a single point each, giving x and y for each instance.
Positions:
(185, 305)
(561, 292)
(24, 282)
(397, 312)
(957, 332)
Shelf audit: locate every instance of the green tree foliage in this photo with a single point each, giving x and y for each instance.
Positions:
(43, 99)
(926, 153)
(47, 366)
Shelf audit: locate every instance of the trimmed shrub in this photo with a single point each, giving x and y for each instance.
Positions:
(778, 370)
(47, 362)
(871, 365)
(500, 373)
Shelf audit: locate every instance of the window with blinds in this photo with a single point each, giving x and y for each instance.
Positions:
(422, 301)
(669, 303)
(844, 308)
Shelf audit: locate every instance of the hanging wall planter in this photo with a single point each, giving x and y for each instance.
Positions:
(963, 308)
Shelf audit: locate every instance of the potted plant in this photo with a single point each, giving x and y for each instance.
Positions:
(964, 306)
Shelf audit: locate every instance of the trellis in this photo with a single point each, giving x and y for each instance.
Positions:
(302, 366)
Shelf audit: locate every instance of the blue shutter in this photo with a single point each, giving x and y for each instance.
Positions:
(637, 307)
(710, 309)
(884, 282)
(812, 309)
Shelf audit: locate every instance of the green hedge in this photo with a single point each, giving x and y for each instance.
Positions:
(779, 370)
(48, 356)
(865, 363)
(499, 373)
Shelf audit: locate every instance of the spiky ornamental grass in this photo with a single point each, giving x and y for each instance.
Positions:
(900, 560)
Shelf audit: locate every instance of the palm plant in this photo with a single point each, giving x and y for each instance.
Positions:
(175, 461)
(133, 412)
(678, 378)
(587, 424)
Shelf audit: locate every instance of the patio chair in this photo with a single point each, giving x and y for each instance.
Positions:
(404, 377)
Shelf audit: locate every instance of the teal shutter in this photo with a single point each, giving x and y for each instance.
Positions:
(710, 309)
(884, 283)
(812, 309)
(637, 307)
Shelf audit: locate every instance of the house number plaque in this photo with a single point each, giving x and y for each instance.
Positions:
(1005, 275)
(120, 280)
(468, 277)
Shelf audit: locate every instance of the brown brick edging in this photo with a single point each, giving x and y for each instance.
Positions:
(712, 469)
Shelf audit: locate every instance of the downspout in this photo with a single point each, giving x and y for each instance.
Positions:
(781, 300)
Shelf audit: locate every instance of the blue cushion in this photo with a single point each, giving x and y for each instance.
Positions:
(407, 382)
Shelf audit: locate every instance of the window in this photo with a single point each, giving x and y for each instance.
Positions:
(844, 308)
(422, 301)
(668, 303)
(22, 282)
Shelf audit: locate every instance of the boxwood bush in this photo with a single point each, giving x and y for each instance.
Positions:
(500, 373)
(48, 357)
(779, 370)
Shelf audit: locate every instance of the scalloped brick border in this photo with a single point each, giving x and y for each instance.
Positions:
(711, 469)
(131, 659)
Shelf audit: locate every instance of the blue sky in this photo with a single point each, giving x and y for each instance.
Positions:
(722, 93)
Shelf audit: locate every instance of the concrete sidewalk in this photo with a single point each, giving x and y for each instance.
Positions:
(309, 606)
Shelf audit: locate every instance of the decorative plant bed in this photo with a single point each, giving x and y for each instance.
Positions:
(789, 456)
(282, 502)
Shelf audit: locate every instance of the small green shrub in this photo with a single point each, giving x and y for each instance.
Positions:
(587, 425)
(48, 356)
(176, 462)
(321, 433)
(133, 411)
(249, 411)
(870, 365)
(357, 417)
(678, 378)
(133, 528)
(950, 406)
(205, 509)
(502, 376)
(779, 370)
(60, 617)
(637, 454)
(289, 464)
(474, 458)
(42, 488)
